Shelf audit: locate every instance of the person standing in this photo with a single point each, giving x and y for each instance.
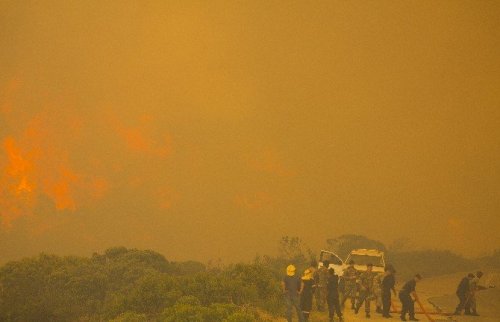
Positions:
(463, 294)
(292, 286)
(332, 295)
(322, 279)
(388, 284)
(306, 294)
(313, 267)
(350, 287)
(366, 283)
(474, 287)
(408, 296)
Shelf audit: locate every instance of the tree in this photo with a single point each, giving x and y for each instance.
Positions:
(293, 250)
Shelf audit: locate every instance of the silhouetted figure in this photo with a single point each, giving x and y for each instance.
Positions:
(405, 295)
(463, 294)
(306, 294)
(332, 295)
(388, 283)
(474, 287)
(321, 286)
(292, 286)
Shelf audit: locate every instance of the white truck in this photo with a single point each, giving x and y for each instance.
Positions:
(361, 257)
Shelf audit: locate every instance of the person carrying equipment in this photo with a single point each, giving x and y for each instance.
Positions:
(463, 294)
(474, 287)
(388, 283)
(408, 296)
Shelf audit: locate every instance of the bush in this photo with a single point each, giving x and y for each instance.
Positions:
(240, 317)
(130, 317)
(189, 308)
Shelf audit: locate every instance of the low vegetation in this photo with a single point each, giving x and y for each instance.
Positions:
(141, 285)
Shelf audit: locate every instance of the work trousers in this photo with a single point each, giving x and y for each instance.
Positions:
(293, 301)
(320, 295)
(386, 302)
(365, 296)
(408, 305)
(349, 292)
(463, 299)
(333, 307)
(378, 297)
(470, 305)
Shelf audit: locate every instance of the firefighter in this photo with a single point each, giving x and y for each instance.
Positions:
(408, 296)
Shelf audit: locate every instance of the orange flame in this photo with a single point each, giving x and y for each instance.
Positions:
(18, 165)
(61, 191)
(140, 139)
(35, 163)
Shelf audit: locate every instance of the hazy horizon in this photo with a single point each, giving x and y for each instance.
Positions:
(210, 130)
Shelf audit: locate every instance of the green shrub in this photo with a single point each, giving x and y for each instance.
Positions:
(130, 317)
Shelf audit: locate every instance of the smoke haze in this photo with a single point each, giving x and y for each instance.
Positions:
(211, 129)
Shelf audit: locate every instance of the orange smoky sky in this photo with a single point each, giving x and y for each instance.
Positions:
(211, 129)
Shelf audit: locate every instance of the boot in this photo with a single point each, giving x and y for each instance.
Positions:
(368, 315)
(412, 318)
(474, 313)
(403, 318)
(379, 309)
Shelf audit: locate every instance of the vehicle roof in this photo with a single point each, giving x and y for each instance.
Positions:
(367, 252)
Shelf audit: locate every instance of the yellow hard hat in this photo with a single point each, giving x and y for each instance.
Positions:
(290, 270)
(308, 275)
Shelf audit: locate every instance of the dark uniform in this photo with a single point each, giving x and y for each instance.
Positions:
(474, 287)
(463, 294)
(388, 284)
(292, 286)
(306, 297)
(332, 297)
(406, 300)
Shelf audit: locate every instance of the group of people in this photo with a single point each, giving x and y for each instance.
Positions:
(359, 287)
(466, 292)
(299, 292)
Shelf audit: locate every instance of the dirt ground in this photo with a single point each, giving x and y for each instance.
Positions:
(438, 295)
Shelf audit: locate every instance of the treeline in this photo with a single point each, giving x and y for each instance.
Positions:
(408, 261)
(130, 285)
(134, 285)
